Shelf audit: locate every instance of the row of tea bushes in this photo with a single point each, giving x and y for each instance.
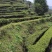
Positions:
(32, 39)
(43, 44)
(4, 21)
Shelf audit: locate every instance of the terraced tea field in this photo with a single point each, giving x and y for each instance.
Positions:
(27, 36)
(44, 44)
(5, 21)
(22, 29)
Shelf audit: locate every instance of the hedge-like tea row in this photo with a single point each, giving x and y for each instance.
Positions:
(43, 43)
(14, 20)
(32, 38)
(4, 21)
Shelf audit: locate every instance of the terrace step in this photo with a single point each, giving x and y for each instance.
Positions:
(40, 37)
(10, 6)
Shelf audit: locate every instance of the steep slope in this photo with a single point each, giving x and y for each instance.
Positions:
(13, 36)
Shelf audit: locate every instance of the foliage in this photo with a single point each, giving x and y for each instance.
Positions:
(43, 43)
(11, 35)
(40, 7)
(4, 21)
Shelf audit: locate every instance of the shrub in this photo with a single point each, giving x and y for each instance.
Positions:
(43, 43)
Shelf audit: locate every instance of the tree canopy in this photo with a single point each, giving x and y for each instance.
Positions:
(40, 7)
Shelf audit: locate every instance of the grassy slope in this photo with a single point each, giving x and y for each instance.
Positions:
(42, 43)
(10, 40)
(11, 35)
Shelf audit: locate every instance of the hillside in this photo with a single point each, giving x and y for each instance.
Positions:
(24, 30)
(23, 36)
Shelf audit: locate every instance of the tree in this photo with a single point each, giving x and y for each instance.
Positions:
(40, 7)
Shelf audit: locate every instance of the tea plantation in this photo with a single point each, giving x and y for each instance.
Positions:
(22, 30)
